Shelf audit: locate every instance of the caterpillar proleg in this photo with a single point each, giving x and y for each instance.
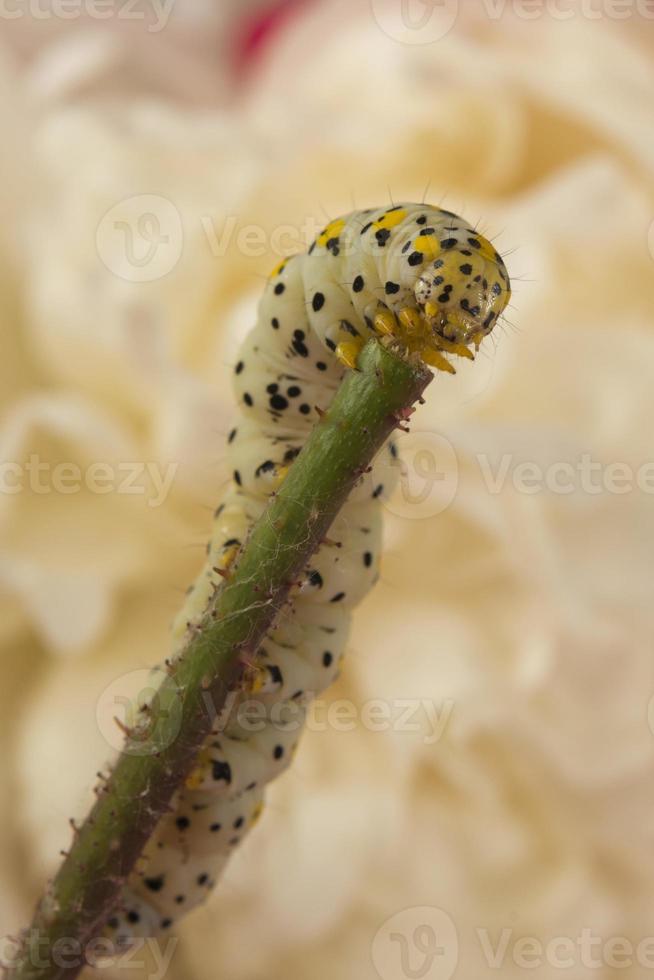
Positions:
(427, 283)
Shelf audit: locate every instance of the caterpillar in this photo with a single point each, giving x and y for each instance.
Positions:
(426, 281)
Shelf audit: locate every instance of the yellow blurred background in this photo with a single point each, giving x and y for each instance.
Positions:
(157, 160)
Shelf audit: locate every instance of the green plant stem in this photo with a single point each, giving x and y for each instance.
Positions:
(363, 413)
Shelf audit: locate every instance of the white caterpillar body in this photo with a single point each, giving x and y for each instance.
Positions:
(423, 278)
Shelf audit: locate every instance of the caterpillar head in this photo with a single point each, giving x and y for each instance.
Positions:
(454, 297)
(462, 293)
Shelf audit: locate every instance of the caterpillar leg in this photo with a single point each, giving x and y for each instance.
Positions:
(348, 352)
(385, 323)
(418, 334)
(412, 322)
(459, 349)
(434, 359)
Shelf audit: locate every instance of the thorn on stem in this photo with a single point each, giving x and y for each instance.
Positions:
(403, 414)
(123, 727)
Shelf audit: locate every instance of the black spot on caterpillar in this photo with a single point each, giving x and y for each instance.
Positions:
(423, 279)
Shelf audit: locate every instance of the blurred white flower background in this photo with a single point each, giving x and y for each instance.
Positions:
(518, 605)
